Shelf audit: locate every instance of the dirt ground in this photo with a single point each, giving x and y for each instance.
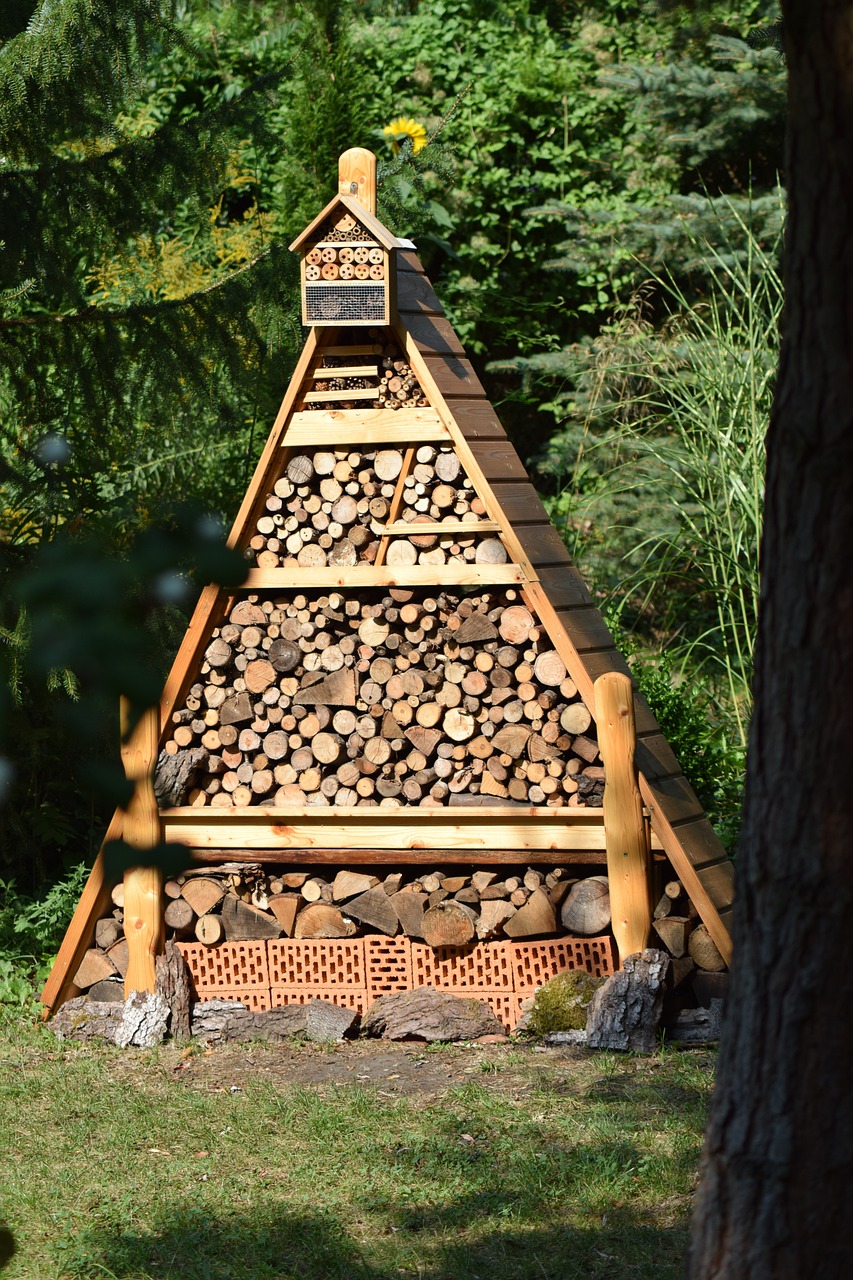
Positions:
(395, 1070)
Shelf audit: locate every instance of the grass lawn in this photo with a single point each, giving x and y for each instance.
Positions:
(370, 1161)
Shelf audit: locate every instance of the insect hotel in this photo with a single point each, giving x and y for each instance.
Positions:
(406, 752)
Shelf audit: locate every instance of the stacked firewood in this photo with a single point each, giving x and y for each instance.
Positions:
(404, 698)
(239, 902)
(331, 507)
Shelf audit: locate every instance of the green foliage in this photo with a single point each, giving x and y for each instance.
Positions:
(713, 764)
(561, 1004)
(31, 930)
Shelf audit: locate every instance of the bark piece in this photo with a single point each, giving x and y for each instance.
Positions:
(175, 775)
(173, 984)
(625, 1012)
(327, 1023)
(227, 1020)
(695, 1026)
(427, 1014)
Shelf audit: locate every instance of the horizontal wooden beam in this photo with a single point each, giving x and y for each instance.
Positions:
(441, 527)
(320, 433)
(321, 374)
(400, 831)
(298, 578)
(406, 857)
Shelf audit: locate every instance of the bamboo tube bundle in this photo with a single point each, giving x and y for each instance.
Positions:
(404, 698)
(389, 380)
(399, 386)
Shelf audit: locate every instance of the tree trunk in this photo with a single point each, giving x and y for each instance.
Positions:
(776, 1189)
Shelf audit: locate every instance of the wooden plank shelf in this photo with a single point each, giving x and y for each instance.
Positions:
(358, 576)
(345, 371)
(393, 835)
(322, 431)
(440, 527)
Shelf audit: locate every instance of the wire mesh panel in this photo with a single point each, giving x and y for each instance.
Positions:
(343, 303)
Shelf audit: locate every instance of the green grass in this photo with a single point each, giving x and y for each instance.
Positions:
(120, 1164)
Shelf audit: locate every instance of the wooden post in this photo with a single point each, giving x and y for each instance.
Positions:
(628, 863)
(142, 884)
(357, 176)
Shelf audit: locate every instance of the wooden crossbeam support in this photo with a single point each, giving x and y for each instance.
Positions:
(143, 922)
(628, 859)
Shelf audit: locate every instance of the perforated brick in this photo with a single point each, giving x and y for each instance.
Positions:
(255, 998)
(536, 962)
(320, 962)
(389, 964)
(344, 997)
(478, 966)
(235, 965)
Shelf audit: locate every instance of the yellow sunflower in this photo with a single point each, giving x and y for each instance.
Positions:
(405, 127)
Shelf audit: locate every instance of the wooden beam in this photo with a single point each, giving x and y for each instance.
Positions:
(398, 830)
(143, 920)
(442, 527)
(357, 176)
(409, 857)
(320, 373)
(628, 860)
(458, 574)
(362, 422)
(323, 435)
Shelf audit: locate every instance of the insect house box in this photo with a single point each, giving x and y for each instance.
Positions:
(348, 258)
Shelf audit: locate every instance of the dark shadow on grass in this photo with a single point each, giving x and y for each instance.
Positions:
(272, 1244)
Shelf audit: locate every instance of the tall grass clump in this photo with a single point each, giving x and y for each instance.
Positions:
(665, 467)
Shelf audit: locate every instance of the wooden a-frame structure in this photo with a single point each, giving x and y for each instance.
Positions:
(457, 417)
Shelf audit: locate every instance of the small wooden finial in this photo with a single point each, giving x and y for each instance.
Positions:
(357, 176)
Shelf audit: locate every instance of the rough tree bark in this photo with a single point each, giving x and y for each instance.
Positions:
(776, 1197)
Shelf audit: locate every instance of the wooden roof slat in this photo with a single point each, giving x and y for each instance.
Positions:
(519, 502)
(586, 628)
(454, 375)
(481, 421)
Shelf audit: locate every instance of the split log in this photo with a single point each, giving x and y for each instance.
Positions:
(322, 920)
(703, 950)
(534, 919)
(243, 922)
